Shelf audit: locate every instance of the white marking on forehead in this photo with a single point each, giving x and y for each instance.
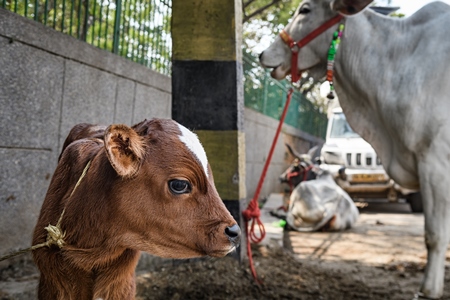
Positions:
(191, 141)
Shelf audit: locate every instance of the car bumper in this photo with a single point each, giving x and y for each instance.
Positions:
(367, 183)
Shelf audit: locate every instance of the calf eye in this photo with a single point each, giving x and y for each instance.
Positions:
(178, 187)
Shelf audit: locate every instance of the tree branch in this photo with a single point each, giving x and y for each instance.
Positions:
(259, 10)
(247, 3)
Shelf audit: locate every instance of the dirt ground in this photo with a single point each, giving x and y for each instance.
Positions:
(382, 257)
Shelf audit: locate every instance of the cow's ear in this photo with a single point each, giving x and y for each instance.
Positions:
(125, 149)
(349, 7)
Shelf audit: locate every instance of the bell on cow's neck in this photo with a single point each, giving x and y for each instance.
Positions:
(331, 93)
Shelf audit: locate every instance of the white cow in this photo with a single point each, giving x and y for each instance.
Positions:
(316, 202)
(321, 204)
(392, 77)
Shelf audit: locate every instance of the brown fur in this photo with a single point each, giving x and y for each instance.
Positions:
(124, 206)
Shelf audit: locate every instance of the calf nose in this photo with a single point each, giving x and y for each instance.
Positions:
(234, 234)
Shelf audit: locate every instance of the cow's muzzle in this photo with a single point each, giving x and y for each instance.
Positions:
(234, 234)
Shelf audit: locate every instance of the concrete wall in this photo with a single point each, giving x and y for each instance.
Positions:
(50, 82)
(259, 133)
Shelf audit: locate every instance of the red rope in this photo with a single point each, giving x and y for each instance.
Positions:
(305, 174)
(252, 213)
(295, 174)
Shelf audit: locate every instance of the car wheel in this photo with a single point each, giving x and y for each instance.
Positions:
(415, 202)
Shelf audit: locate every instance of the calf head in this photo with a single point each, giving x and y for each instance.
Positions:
(165, 192)
(149, 188)
(312, 57)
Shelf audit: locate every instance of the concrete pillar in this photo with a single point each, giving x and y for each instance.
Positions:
(207, 89)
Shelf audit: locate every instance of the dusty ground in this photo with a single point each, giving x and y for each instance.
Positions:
(383, 257)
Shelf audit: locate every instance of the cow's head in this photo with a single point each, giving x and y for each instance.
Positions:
(313, 56)
(156, 187)
(301, 169)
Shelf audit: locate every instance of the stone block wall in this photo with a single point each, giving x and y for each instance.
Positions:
(50, 81)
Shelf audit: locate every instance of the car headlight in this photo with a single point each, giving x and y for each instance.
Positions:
(333, 158)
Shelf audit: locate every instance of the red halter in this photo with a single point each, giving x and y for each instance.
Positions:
(295, 46)
(291, 175)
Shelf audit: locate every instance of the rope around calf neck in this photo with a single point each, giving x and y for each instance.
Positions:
(55, 235)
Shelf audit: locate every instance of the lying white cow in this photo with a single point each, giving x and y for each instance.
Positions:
(316, 201)
(392, 77)
(321, 204)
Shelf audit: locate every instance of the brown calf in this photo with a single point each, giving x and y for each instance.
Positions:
(149, 188)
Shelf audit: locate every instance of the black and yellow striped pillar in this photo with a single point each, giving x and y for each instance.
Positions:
(207, 88)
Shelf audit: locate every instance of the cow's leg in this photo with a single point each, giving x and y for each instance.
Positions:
(435, 190)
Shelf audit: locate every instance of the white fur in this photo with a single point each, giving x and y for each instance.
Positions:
(191, 141)
(391, 77)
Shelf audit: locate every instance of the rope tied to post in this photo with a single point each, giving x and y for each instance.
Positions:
(252, 213)
(55, 235)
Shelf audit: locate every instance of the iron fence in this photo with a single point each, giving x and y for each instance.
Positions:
(268, 96)
(138, 30)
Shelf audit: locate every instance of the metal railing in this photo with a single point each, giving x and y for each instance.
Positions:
(136, 29)
(268, 96)
(139, 30)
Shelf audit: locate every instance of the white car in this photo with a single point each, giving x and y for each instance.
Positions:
(356, 167)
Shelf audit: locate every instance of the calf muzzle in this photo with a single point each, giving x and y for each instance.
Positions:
(234, 234)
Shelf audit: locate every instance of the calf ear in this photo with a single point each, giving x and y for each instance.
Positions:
(125, 149)
(349, 7)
